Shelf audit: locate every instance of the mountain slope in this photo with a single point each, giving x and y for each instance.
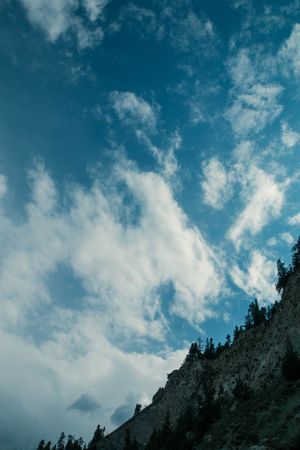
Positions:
(270, 416)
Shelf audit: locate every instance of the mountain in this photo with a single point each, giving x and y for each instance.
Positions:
(238, 398)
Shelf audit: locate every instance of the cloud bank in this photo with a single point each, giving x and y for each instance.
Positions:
(122, 239)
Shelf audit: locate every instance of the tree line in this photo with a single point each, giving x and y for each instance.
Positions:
(71, 443)
(255, 316)
(284, 272)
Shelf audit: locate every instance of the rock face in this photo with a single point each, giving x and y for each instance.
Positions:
(255, 358)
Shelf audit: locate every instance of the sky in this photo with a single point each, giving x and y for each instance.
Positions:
(149, 181)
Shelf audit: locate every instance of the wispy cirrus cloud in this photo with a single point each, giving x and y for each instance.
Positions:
(259, 278)
(254, 99)
(216, 184)
(251, 182)
(60, 17)
(94, 8)
(146, 21)
(289, 137)
(252, 110)
(180, 25)
(189, 31)
(3, 185)
(134, 110)
(294, 220)
(166, 157)
(142, 117)
(289, 54)
(285, 237)
(264, 199)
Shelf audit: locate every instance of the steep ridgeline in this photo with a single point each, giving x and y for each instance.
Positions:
(254, 359)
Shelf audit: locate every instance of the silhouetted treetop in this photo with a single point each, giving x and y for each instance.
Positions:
(296, 254)
(98, 435)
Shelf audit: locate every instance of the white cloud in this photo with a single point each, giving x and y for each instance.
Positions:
(191, 32)
(60, 374)
(120, 246)
(166, 158)
(135, 110)
(289, 137)
(263, 201)
(121, 252)
(272, 241)
(289, 54)
(53, 17)
(144, 21)
(94, 8)
(58, 17)
(185, 29)
(255, 99)
(216, 184)
(44, 195)
(294, 220)
(287, 237)
(243, 152)
(252, 110)
(241, 3)
(196, 112)
(3, 185)
(259, 279)
(88, 38)
(241, 70)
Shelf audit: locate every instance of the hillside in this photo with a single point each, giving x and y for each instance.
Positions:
(264, 415)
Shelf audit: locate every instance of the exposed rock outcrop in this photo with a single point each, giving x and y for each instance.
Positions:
(254, 358)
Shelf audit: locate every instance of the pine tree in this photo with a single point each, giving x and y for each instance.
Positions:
(194, 353)
(219, 348)
(41, 445)
(210, 351)
(269, 313)
(296, 255)
(98, 435)
(78, 444)
(69, 444)
(255, 315)
(137, 409)
(200, 344)
(61, 442)
(48, 446)
(228, 341)
(261, 315)
(248, 322)
(283, 274)
(236, 333)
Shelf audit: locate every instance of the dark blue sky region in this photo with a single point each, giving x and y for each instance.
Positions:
(149, 181)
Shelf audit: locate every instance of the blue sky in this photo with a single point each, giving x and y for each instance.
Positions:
(149, 180)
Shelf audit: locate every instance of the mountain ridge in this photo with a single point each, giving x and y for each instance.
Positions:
(255, 359)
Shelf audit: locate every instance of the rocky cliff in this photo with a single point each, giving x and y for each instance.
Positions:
(255, 358)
